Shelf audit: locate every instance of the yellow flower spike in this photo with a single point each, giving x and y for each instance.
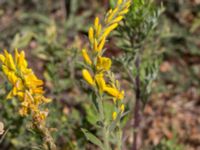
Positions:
(122, 107)
(91, 35)
(97, 37)
(88, 77)
(108, 30)
(103, 63)
(86, 57)
(114, 115)
(100, 82)
(26, 86)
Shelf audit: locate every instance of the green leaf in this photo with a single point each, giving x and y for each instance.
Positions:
(92, 115)
(90, 137)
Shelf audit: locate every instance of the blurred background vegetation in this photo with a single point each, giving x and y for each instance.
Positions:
(52, 34)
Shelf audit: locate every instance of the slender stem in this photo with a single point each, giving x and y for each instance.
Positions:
(49, 143)
(136, 114)
(105, 131)
(120, 138)
(106, 138)
(48, 139)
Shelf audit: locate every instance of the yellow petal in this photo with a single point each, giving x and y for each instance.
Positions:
(10, 62)
(5, 70)
(112, 14)
(87, 77)
(21, 62)
(86, 57)
(91, 35)
(115, 93)
(101, 44)
(98, 31)
(103, 63)
(100, 82)
(95, 46)
(108, 30)
(118, 19)
(96, 23)
(2, 58)
(12, 78)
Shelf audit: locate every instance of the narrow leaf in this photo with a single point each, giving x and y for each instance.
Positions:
(90, 137)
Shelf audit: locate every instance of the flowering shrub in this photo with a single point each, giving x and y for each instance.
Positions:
(98, 75)
(27, 88)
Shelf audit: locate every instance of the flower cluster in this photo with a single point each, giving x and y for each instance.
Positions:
(25, 85)
(98, 74)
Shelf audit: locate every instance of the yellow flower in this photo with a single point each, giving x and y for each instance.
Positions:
(115, 92)
(114, 115)
(97, 35)
(118, 19)
(108, 30)
(96, 23)
(95, 46)
(103, 63)
(101, 45)
(88, 77)
(100, 82)
(91, 35)
(86, 57)
(26, 86)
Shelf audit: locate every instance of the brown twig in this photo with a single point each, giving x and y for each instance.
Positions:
(137, 103)
(49, 143)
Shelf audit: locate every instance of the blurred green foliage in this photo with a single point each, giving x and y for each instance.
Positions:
(48, 32)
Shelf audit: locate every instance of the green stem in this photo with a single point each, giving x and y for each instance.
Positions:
(119, 139)
(105, 131)
(106, 138)
(48, 139)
